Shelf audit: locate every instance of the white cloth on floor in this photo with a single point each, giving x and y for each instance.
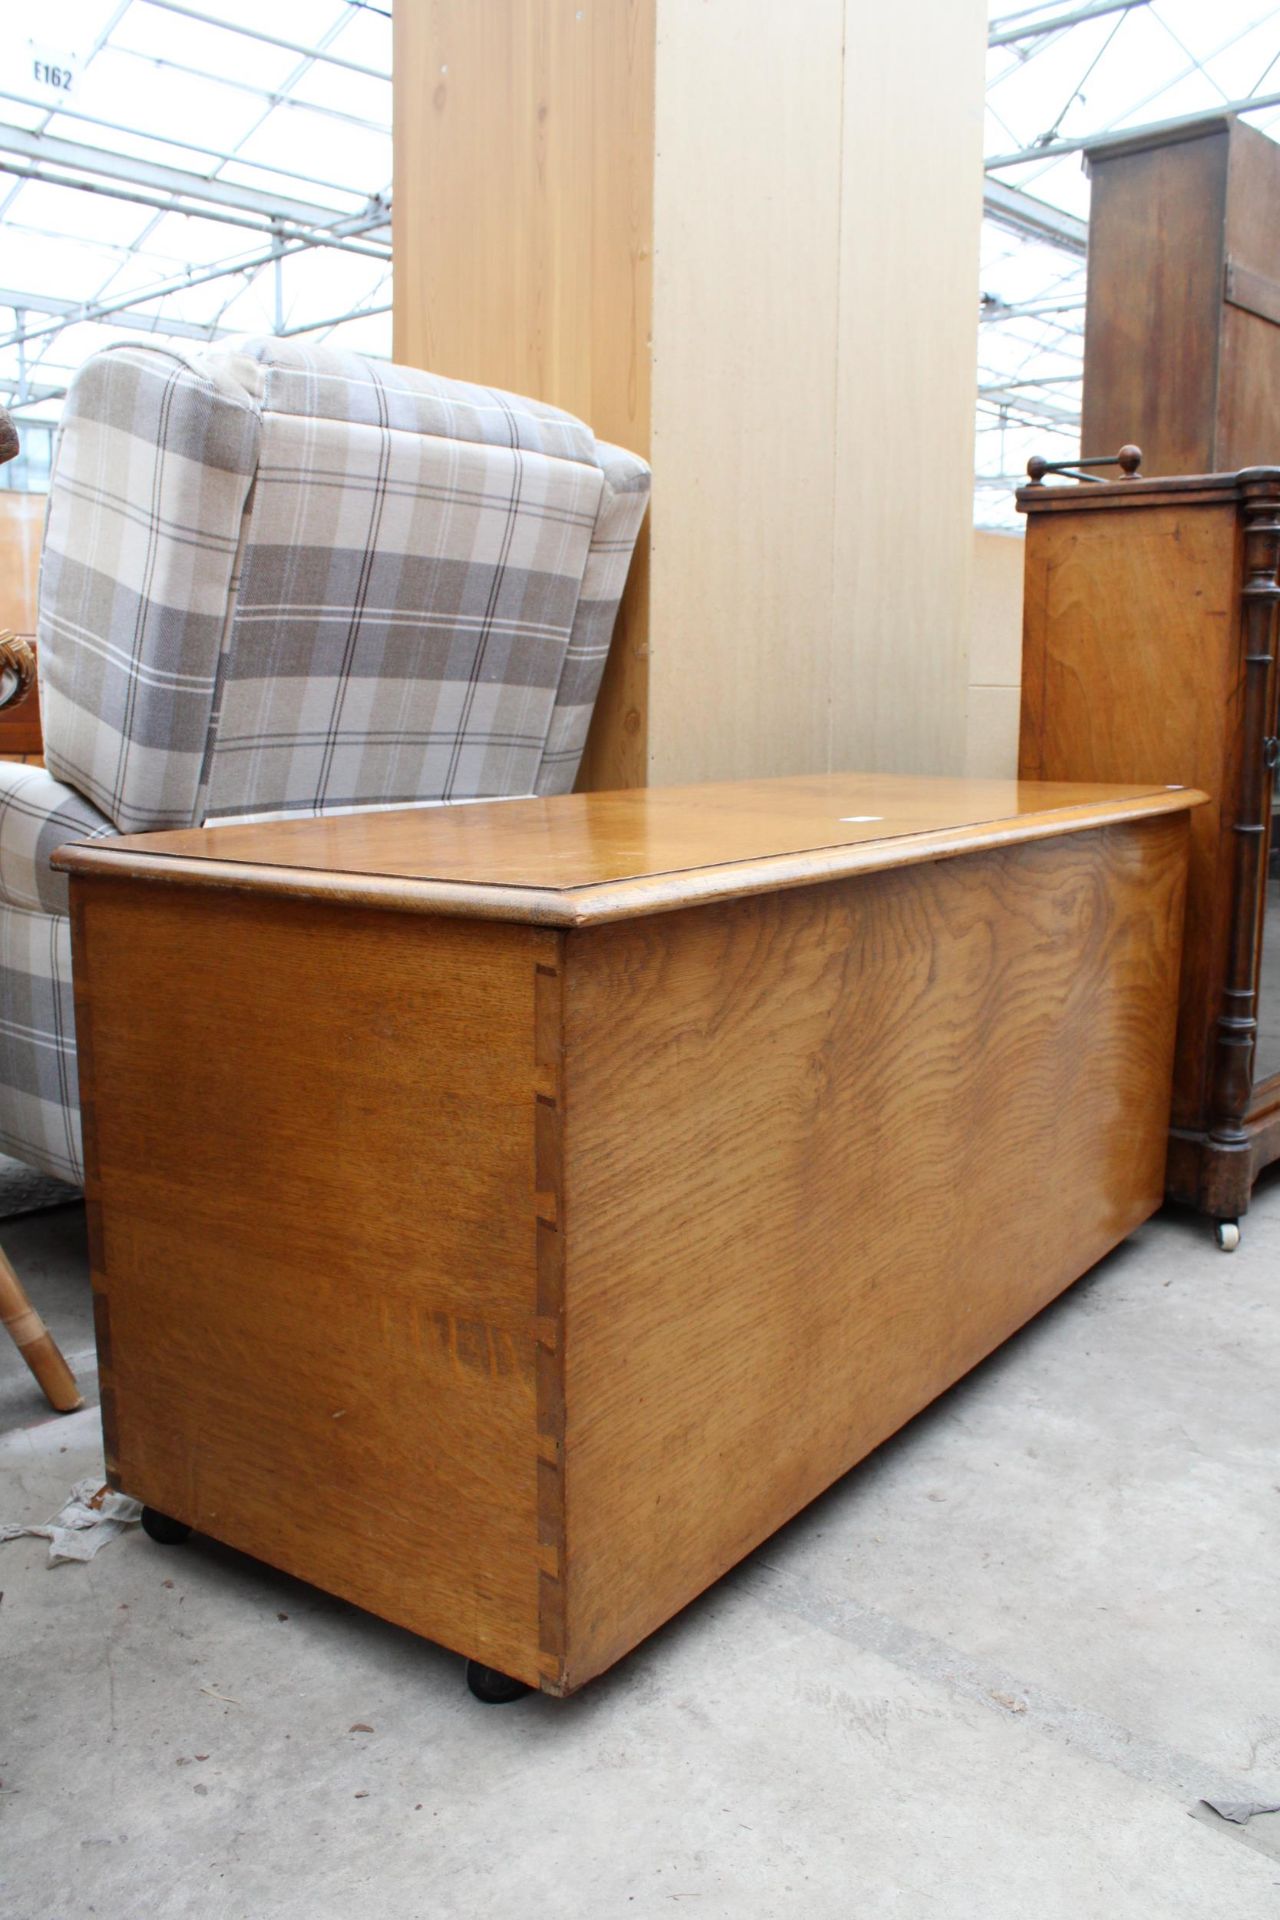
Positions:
(92, 1517)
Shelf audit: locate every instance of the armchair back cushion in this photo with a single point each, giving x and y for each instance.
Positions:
(288, 580)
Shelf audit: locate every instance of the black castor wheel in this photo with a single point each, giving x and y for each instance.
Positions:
(169, 1533)
(494, 1688)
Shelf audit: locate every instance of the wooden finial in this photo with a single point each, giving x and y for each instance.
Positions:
(1129, 460)
(8, 438)
(1037, 467)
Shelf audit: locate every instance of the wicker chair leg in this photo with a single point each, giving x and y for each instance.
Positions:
(36, 1344)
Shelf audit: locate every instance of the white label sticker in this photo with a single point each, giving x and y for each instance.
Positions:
(51, 72)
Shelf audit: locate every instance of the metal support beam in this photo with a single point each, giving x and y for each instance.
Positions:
(1021, 414)
(1004, 33)
(1028, 404)
(1045, 380)
(1023, 213)
(100, 309)
(44, 148)
(206, 152)
(273, 40)
(1110, 136)
(132, 319)
(335, 320)
(992, 308)
(110, 191)
(28, 393)
(283, 99)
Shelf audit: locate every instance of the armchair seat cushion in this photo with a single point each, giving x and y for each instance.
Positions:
(37, 816)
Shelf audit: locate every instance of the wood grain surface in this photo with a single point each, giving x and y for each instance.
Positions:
(1131, 643)
(1182, 350)
(583, 198)
(843, 1143)
(1149, 651)
(579, 858)
(311, 1183)
(1248, 419)
(1154, 302)
(523, 229)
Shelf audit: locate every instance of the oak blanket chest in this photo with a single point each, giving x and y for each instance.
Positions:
(586, 1183)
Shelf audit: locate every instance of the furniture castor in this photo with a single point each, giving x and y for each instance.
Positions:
(169, 1533)
(494, 1688)
(1227, 1235)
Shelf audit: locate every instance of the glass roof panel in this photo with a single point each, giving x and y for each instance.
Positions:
(365, 36)
(175, 240)
(74, 214)
(15, 112)
(293, 185)
(152, 34)
(96, 133)
(346, 92)
(47, 264)
(348, 155)
(171, 104)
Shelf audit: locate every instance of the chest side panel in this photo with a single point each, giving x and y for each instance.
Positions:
(1132, 670)
(311, 1159)
(823, 1151)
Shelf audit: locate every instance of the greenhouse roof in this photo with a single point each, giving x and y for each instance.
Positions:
(194, 172)
(190, 172)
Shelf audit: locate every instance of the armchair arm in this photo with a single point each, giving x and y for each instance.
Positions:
(17, 669)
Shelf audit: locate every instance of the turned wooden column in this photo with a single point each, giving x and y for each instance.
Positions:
(1229, 1170)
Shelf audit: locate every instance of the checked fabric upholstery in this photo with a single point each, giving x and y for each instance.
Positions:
(283, 581)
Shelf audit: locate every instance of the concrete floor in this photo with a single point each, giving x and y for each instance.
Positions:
(991, 1673)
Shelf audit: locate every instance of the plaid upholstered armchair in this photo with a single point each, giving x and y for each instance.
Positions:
(287, 581)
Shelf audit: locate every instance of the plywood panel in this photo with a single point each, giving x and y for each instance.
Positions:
(911, 212)
(995, 651)
(523, 238)
(21, 527)
(991, 733)
(747, 214)
(713, 230)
